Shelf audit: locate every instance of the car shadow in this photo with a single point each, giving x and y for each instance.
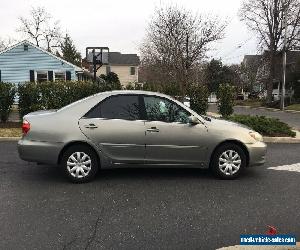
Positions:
(54, 174)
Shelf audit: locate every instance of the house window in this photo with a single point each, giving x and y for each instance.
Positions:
(107, 70)
(41, 76)
(25, 47)
(132, 71)
(60, 76)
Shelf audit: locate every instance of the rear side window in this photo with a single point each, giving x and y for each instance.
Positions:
(124, 107)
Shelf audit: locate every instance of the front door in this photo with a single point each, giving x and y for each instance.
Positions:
(115, 126)
(170, 138)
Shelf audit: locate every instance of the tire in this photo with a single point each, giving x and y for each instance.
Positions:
(72, 166)
(228, 161)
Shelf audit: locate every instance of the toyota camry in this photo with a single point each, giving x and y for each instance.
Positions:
(120, 129)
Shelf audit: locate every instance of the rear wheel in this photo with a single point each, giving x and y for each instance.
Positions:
(228, 161)
(80, 163)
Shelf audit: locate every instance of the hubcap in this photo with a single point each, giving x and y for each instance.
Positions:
(79, 164)
(229, 162)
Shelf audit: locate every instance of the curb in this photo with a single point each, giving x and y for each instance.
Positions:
(271, 109)
(289, 140)
(9, 138)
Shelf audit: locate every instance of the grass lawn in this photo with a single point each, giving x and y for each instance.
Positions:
(294, 107)
(248, 102)
(10, 132)
(10, 129)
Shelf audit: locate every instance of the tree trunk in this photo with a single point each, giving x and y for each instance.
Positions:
(271, 77)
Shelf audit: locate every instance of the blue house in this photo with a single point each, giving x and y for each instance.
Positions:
(26, 62)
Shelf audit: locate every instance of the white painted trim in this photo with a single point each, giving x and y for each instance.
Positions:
(76, 68)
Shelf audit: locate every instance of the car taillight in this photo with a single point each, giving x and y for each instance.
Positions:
(25, 127)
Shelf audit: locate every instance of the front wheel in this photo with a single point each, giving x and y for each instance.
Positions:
(80, 163)
(228, 161)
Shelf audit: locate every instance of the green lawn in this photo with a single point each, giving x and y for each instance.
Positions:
(294, 107)
(248, 102)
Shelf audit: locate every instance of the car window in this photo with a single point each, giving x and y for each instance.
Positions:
(124, 107)
(161, 109)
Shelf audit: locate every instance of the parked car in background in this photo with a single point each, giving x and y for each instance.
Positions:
(136, 128)
(253, 95)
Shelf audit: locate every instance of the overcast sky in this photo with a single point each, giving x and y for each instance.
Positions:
(121, 25)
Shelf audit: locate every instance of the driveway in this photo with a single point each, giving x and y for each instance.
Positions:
(293, 119)
(144, 208)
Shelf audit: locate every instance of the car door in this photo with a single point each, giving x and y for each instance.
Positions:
(114, 125)
(170, 138)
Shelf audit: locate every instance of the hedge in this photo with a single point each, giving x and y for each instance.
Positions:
(7, 95)
(264, 125)
(54, 95)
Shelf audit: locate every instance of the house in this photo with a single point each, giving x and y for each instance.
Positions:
(126, 66)
(259, 66)
(24, 62)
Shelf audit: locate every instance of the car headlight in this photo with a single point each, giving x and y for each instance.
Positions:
(256, 136)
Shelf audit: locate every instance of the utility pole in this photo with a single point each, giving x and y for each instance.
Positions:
(284, 56)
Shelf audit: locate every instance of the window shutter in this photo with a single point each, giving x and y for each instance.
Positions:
(68, 75)
(0, 75)
(31, 72)
(50, 76)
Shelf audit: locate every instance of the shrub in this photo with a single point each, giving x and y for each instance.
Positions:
(29, 98)
(112, 81)
(277, 104)
(7, 95)
(225, 96)
(199, 98)
(264, 125)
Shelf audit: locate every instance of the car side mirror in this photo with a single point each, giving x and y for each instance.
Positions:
(193, 120)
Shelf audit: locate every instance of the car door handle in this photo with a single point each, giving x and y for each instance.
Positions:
(91, 126)
(153, 129)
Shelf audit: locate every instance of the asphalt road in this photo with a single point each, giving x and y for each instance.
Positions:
(144, 208)
(293, 119)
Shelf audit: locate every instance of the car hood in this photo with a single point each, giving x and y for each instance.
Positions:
(225, 123)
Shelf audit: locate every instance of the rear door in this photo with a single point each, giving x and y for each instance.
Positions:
(170, 138)
(115, 126)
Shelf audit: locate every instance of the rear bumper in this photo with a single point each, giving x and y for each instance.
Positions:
(257, 153)
(37, 151)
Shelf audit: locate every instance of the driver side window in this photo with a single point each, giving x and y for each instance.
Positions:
(161, 109)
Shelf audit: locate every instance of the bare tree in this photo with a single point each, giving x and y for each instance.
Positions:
(40, 28)
(266, 18)
(4, 43)
(177, 40)
(52, 35)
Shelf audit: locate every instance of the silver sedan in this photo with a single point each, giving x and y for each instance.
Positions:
(118, 129)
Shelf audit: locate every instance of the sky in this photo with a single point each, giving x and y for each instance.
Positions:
(121, 25)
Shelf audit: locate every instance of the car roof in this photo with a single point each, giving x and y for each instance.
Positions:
(136, 92)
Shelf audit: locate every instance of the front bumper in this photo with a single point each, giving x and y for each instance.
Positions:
(37, 151)
(257, 153)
